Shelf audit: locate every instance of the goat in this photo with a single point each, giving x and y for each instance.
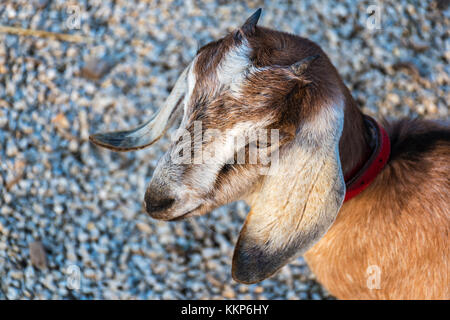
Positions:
(389, 241)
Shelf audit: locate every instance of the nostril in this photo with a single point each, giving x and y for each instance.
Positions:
(154, 205)
(162, 205)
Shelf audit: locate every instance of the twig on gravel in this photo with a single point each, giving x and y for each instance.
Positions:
(45, 34)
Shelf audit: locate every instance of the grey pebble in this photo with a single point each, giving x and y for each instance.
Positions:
(37, 255)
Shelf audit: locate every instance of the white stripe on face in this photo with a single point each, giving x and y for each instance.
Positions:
(232, 69)
(191, 81)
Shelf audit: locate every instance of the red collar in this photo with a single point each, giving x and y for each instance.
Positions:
(366, 173)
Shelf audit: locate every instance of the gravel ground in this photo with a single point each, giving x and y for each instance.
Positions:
(72, 223)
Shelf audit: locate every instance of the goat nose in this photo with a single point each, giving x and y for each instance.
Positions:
(156, 204)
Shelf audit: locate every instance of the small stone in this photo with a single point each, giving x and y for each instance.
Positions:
(73, 145)
(7, 197)
(58, 209)
(144, 227)
(90, 274)
(243, 288)
(61, 121)
(11, 149)
(37, 255)
(393, 98)
(208, 253)
(41, 4)
(51, 74)
(258, 290)
(228, 292)
(71, 52)
(83, 237)
(16, 275)
(6, 210)
(95, 69)
(13, 293)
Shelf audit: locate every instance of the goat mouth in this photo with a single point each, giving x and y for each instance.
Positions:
(185, 215)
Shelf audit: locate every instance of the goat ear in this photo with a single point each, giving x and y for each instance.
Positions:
(297, 203)
(250, 25)
(299, 68)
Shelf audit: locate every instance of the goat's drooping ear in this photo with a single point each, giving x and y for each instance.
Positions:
(148, 133)
(297, 203)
